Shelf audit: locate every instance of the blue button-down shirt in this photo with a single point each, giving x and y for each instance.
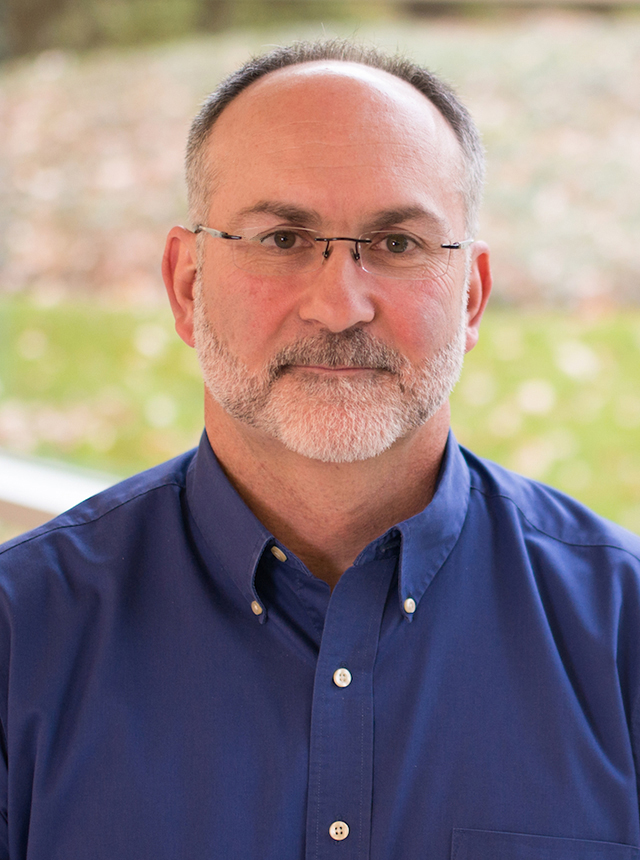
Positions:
(168, 685)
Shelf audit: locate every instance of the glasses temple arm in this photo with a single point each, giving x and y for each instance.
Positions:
(456, 246)
(217, 234)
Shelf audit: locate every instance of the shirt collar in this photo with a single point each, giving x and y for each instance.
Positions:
(428, 538)
(232, 537)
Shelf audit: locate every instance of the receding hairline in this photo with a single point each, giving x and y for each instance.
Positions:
(342, 69)
(266, 102)
(337, 71)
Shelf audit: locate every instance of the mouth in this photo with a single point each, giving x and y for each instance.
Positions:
(354, 354)
(339, 370)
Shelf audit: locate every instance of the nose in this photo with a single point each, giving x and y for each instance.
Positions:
(337, 296)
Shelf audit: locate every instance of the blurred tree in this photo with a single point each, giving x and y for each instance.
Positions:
(97, 23)
(24, 22)
(35, 25)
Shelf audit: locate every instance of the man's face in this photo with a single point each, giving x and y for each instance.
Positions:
(336, 363)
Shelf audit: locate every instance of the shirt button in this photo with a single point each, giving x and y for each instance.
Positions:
(256, 608)
(277, 552)
(339, 830)
(409, 605)
(342, 678)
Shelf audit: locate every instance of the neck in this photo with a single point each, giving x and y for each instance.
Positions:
(327, 513)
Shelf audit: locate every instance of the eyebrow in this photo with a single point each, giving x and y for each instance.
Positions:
(285, 211)
(393, 217)
(311, 217)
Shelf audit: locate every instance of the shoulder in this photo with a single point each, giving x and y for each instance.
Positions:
(146, 500)
(553, 559)
(544, 513)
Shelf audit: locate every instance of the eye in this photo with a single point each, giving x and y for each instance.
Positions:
(284, 240)
(395, 243)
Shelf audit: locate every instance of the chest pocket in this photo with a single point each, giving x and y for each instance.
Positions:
(493, 845)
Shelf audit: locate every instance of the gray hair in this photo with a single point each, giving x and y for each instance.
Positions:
(442, 96)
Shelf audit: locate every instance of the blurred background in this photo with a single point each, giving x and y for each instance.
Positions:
(96, 97)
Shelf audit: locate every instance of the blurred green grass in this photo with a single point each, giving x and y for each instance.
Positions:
(96, 386)
(550, 395)
(557, 398)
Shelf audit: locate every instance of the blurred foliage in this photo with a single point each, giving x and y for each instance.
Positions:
(550, 395)
(36, 25)
(92, 148)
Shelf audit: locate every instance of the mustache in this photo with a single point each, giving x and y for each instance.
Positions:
(351, 348)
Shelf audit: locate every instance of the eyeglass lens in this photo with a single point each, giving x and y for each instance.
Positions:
(284, 252)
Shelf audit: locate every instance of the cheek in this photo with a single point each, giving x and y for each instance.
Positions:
(424, 318)
(247, 312)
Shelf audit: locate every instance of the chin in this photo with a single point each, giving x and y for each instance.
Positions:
(340, 420)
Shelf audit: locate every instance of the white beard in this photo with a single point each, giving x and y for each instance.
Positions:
(334, 420)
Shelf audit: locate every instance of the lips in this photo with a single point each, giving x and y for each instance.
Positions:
(349, 368)
(350, 351)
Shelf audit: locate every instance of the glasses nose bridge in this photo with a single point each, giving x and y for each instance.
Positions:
(355, 251)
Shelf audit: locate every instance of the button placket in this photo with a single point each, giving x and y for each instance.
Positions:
(341, 749)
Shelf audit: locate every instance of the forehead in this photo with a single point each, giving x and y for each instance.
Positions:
(328, 129)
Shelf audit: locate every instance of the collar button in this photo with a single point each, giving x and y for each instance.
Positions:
(277, 552)
(409, 606)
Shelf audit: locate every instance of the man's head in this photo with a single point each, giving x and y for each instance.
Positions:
(338, 355)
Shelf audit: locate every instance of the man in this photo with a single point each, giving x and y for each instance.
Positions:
(339, 635)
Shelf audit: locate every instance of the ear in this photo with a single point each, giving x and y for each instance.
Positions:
(179, 274)
(480, 282)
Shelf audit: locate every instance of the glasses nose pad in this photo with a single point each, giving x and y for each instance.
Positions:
(355, 252)
(327, 250)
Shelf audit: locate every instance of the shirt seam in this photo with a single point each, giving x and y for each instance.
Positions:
(602, 544)
(31, 537)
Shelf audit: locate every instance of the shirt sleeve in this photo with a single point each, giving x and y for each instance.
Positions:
(4, 770)
(628, 662)
(4, 846)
